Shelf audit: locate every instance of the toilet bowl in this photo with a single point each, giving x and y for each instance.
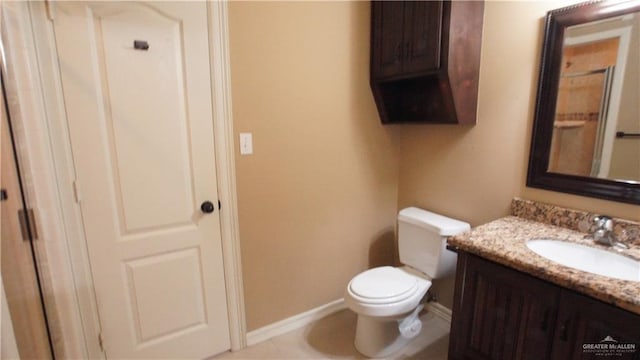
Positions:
(388, 300)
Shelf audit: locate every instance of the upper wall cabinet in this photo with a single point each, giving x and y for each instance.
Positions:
(407, 38)
(425, 60)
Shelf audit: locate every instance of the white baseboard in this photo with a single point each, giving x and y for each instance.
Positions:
(307, 317)
(294, 322)
(439, 310)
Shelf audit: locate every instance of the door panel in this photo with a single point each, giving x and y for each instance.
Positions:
(178, 270)
(148, 93)
(423, 34)
(502, 314)
(584, 320)
(388, 45)
(19, 272)
(141, 131)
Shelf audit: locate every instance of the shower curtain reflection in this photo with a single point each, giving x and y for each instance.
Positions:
(583, 104)
(576, 144)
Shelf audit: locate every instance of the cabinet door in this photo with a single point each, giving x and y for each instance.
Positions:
(500, 313)
(387, 38)
(422, 36)
(583, 321)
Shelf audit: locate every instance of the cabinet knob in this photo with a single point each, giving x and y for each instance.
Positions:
(564, 330)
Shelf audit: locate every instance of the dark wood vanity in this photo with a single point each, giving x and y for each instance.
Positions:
(425, 60)
(502, 313)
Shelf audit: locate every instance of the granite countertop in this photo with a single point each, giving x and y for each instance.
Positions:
(503, 241)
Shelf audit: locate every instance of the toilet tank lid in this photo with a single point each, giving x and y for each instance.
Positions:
(441, 224)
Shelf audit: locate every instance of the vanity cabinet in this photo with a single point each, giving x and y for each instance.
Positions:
(425, 60)
(582, 320)
(501, 313)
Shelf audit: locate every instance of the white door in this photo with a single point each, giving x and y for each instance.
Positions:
(18, 267)
(136, 83)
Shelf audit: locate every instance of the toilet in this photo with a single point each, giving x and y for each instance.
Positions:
(387, 299)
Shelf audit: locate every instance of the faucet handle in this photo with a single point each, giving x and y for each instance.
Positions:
(603, 222)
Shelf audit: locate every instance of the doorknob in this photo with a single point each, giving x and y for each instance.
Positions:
(207, 207)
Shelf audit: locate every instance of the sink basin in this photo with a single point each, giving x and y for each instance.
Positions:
(586, 258)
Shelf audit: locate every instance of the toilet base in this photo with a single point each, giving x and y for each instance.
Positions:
(381, 337)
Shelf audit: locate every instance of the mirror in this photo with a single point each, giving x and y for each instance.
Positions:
(586, 132)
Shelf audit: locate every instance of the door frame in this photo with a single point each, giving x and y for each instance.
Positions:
(74, 296)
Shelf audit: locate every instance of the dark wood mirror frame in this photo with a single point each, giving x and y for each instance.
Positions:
(550, 67)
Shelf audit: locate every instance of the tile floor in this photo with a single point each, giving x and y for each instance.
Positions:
(332, 338)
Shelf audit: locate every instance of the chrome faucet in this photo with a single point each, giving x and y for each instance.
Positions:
(604, 232)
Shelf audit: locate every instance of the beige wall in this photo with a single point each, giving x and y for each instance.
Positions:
(317, 200)
(472, 173)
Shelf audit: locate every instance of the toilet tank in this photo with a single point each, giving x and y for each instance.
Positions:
(422, 237)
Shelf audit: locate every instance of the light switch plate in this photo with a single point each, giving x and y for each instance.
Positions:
(246, 144)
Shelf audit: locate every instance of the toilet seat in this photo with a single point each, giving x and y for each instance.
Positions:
(383, 285)
(386, 291)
